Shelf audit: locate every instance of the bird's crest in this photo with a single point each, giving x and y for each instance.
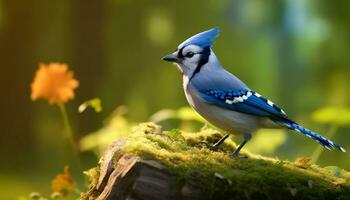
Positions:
(203, 39)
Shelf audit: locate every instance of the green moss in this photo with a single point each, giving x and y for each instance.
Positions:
(93, 175)
(223, 177)
(188, 155)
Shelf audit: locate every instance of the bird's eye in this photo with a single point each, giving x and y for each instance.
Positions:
(189, 54)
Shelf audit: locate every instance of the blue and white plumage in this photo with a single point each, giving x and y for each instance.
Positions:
(223, 99)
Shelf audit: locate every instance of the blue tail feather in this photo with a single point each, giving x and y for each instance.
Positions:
(326, 143)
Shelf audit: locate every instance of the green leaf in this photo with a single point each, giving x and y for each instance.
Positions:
(332, 115)
(183, 113)
(267, 140)
(116, 127)
(175, 134)
(334, 171)
(94, 103)
(187, 113)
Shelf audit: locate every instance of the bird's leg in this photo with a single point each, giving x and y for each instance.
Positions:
(247, 137)
(218, 143)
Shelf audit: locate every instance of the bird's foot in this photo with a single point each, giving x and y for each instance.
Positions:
(215, 147)
(240, 146)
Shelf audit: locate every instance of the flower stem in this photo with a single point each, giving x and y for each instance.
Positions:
(68, 132)
(318, 151)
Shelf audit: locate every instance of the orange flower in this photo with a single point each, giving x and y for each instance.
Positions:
(63, 183)
(54, 83)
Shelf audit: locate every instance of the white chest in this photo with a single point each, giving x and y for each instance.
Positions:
(189, 92)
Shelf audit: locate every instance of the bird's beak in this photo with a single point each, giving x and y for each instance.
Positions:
(172, 58)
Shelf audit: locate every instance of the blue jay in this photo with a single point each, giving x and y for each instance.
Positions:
(223, 99)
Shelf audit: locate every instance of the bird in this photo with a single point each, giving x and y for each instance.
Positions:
(224, 100)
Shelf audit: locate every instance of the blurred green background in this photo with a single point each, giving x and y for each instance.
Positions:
(293, 51)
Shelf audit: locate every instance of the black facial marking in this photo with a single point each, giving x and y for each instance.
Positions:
(180, 55)
(202, 60)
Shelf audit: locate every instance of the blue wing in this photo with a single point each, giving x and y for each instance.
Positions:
(250, 102)
(245, 101)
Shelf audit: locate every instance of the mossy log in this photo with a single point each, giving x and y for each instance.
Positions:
(151, 164)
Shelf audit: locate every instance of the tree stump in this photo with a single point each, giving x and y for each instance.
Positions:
(154, 165)
(132, 178)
